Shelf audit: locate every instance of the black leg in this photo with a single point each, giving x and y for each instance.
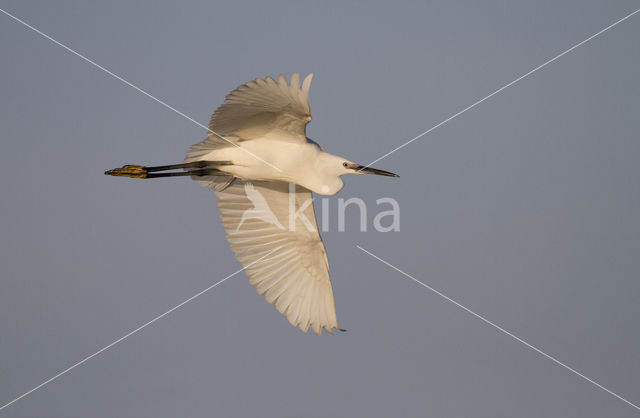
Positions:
(202, 168)
(195, 164)
(200, 172)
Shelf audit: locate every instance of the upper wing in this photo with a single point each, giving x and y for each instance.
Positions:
(263, 108)
(294, 277)
(258, 109)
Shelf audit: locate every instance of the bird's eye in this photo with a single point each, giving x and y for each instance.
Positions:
(344, 164)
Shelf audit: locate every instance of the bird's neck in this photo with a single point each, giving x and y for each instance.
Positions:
(327, 171)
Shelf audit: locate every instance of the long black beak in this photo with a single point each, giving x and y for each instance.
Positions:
(370, 170)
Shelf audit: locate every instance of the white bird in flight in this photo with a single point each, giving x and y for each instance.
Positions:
(263, 168)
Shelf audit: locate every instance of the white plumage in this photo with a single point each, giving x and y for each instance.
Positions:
(260, 209)
(294, 278)
(259, 162)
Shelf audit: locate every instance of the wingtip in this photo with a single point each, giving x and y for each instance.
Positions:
(295, 80)
(306, 83)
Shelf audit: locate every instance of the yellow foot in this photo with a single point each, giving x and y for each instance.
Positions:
(135, 171)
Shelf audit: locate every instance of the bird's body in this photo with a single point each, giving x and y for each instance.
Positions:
(300, 163)
(263, 168)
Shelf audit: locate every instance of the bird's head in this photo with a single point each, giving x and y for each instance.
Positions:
(332, 167)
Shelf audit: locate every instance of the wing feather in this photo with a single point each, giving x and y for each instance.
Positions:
(295, 277)
(263, 108)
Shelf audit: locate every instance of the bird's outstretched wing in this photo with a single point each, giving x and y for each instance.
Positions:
(265, 108)
(262, 108)
(295, 277)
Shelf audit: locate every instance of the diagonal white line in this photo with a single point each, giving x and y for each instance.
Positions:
(149, 95)
(502, 88)
(141, 327)
(499, 328)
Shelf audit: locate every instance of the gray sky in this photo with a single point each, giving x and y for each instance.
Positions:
(525, 209)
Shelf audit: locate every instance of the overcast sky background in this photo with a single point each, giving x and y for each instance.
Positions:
(525, 209)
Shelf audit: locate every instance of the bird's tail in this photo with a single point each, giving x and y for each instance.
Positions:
(202, 150)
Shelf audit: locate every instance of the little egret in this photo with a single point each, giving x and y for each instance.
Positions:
(263, 168)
